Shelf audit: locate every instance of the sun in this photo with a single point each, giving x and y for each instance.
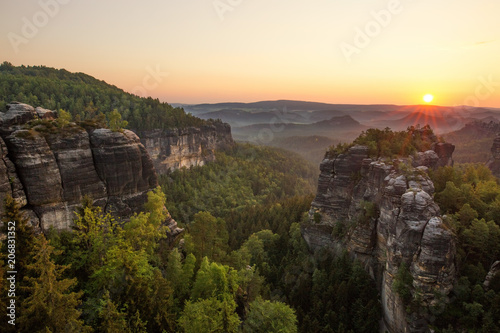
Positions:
(428, 98)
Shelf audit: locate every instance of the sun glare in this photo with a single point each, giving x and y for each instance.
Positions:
(428, 98)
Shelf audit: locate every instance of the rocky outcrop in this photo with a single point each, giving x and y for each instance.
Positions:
(493, 272)
(174, 149)
(444, 151)
(388, 217)
(49, 170)
(494, 162)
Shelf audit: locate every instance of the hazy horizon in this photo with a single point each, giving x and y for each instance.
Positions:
(337, 52)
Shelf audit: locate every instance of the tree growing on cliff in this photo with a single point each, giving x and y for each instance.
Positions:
(115, 122)
(63, 118)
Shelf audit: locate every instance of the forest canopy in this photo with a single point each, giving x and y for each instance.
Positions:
(86, 97)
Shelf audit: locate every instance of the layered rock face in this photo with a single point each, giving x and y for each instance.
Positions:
(49, 172)
(494, 162)
(388, 217)
(174, 149)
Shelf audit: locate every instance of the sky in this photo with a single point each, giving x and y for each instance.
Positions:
(333, 51)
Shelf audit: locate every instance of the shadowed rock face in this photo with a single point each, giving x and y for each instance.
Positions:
(494, 162)
(49, 173)
(174, 149)
(406, 226)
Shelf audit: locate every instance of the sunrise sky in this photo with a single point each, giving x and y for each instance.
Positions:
(251, 50)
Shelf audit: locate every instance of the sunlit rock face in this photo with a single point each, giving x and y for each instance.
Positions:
(402, 225)
(49, 172)
(174, 149)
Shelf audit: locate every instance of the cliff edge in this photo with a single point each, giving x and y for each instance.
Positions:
(382, 212)
(48, 169)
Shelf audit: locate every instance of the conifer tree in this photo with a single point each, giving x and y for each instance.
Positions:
(51, 305)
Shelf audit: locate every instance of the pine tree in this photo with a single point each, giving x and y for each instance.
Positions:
(113, 320)
(50, 306)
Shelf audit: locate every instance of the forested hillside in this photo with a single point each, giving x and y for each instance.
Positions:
(85, 97)
(242, 265)
(470, 196)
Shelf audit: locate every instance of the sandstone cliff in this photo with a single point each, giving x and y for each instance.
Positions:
(383, 213)
(174, 149)
(48, 170)
(494, 162)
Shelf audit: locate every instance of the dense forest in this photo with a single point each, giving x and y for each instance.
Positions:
(242, 265)
(470, 197)
(86, 97)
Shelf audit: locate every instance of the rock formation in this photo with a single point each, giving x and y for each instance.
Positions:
(494, 271)
(174, 149)
(494, 162)
(48, 169)
(383, 213)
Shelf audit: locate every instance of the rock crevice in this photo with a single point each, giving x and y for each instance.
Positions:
(406, 226)
(49, 170)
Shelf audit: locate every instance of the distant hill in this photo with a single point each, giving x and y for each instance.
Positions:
(344, 128)
(473, 142)
(441, 121)
(85, 97)
(312, 148)
(291, 106)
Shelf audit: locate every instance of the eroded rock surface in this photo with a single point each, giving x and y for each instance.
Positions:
(50, 171)
(494, 162)
(403, 226)
(174, 149)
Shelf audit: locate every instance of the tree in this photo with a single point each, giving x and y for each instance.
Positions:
(270, 317)
(63, 118)
(15, 224)
(403, 282)
(116, 124)
(112, 320)
(209, 315)
(209, 235)
(51, 306)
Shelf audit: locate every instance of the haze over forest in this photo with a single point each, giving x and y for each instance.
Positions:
(250, 166)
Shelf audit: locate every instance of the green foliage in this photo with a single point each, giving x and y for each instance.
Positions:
(243, 265)
(209, 316)
(209, 236)
(470, 195)
(369, 212)
(50, 306)
(403, 282)
(112, 320)
(85, 97)
(387, 143)
(241, 177)
(115, 122)
(270, 317)
(63, 118)
(317, 217)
